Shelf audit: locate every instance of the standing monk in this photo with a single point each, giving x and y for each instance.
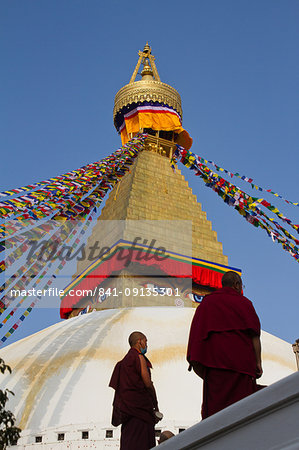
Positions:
(135, 402)
(224, 346)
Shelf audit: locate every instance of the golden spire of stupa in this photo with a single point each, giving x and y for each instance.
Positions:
(146, 57)
(149, 88)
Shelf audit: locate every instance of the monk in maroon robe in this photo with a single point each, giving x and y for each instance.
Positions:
(135, 401)
(224, 346)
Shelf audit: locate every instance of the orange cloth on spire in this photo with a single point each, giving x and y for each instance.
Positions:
(156, 118)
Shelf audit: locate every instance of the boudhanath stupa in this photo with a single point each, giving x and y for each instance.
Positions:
(161, 257)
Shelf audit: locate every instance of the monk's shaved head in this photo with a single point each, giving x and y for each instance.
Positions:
(230, 278)
(135, 336)
(165, 435)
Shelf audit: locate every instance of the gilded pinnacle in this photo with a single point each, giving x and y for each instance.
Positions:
(147, 73)
(149, 88)
(146, 48)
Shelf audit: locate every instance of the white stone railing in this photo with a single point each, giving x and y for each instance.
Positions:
(267, 420)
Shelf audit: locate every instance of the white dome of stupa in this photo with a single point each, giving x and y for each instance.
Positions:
(61, 374)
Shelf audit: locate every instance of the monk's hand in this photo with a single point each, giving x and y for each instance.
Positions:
(158, 415)
(259, 371)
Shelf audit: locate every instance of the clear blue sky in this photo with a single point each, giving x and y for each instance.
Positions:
(235, 64)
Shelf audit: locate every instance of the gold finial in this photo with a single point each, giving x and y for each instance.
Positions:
(149, 88)
(143, 56)
(147, 73)
(146, 48)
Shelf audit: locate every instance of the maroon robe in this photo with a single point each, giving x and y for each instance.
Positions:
(221, 340)
(133, 404)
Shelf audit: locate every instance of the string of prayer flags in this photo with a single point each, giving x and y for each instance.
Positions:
(247, 179)
(33, 264)
(121, 166)
(246, 205)
(69, 175)
(195, 159)
(41, 203)
(68, 206)
(45, 272)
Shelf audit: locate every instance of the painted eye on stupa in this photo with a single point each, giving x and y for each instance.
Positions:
(198, 298)
(101, 298)
(194, 297)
